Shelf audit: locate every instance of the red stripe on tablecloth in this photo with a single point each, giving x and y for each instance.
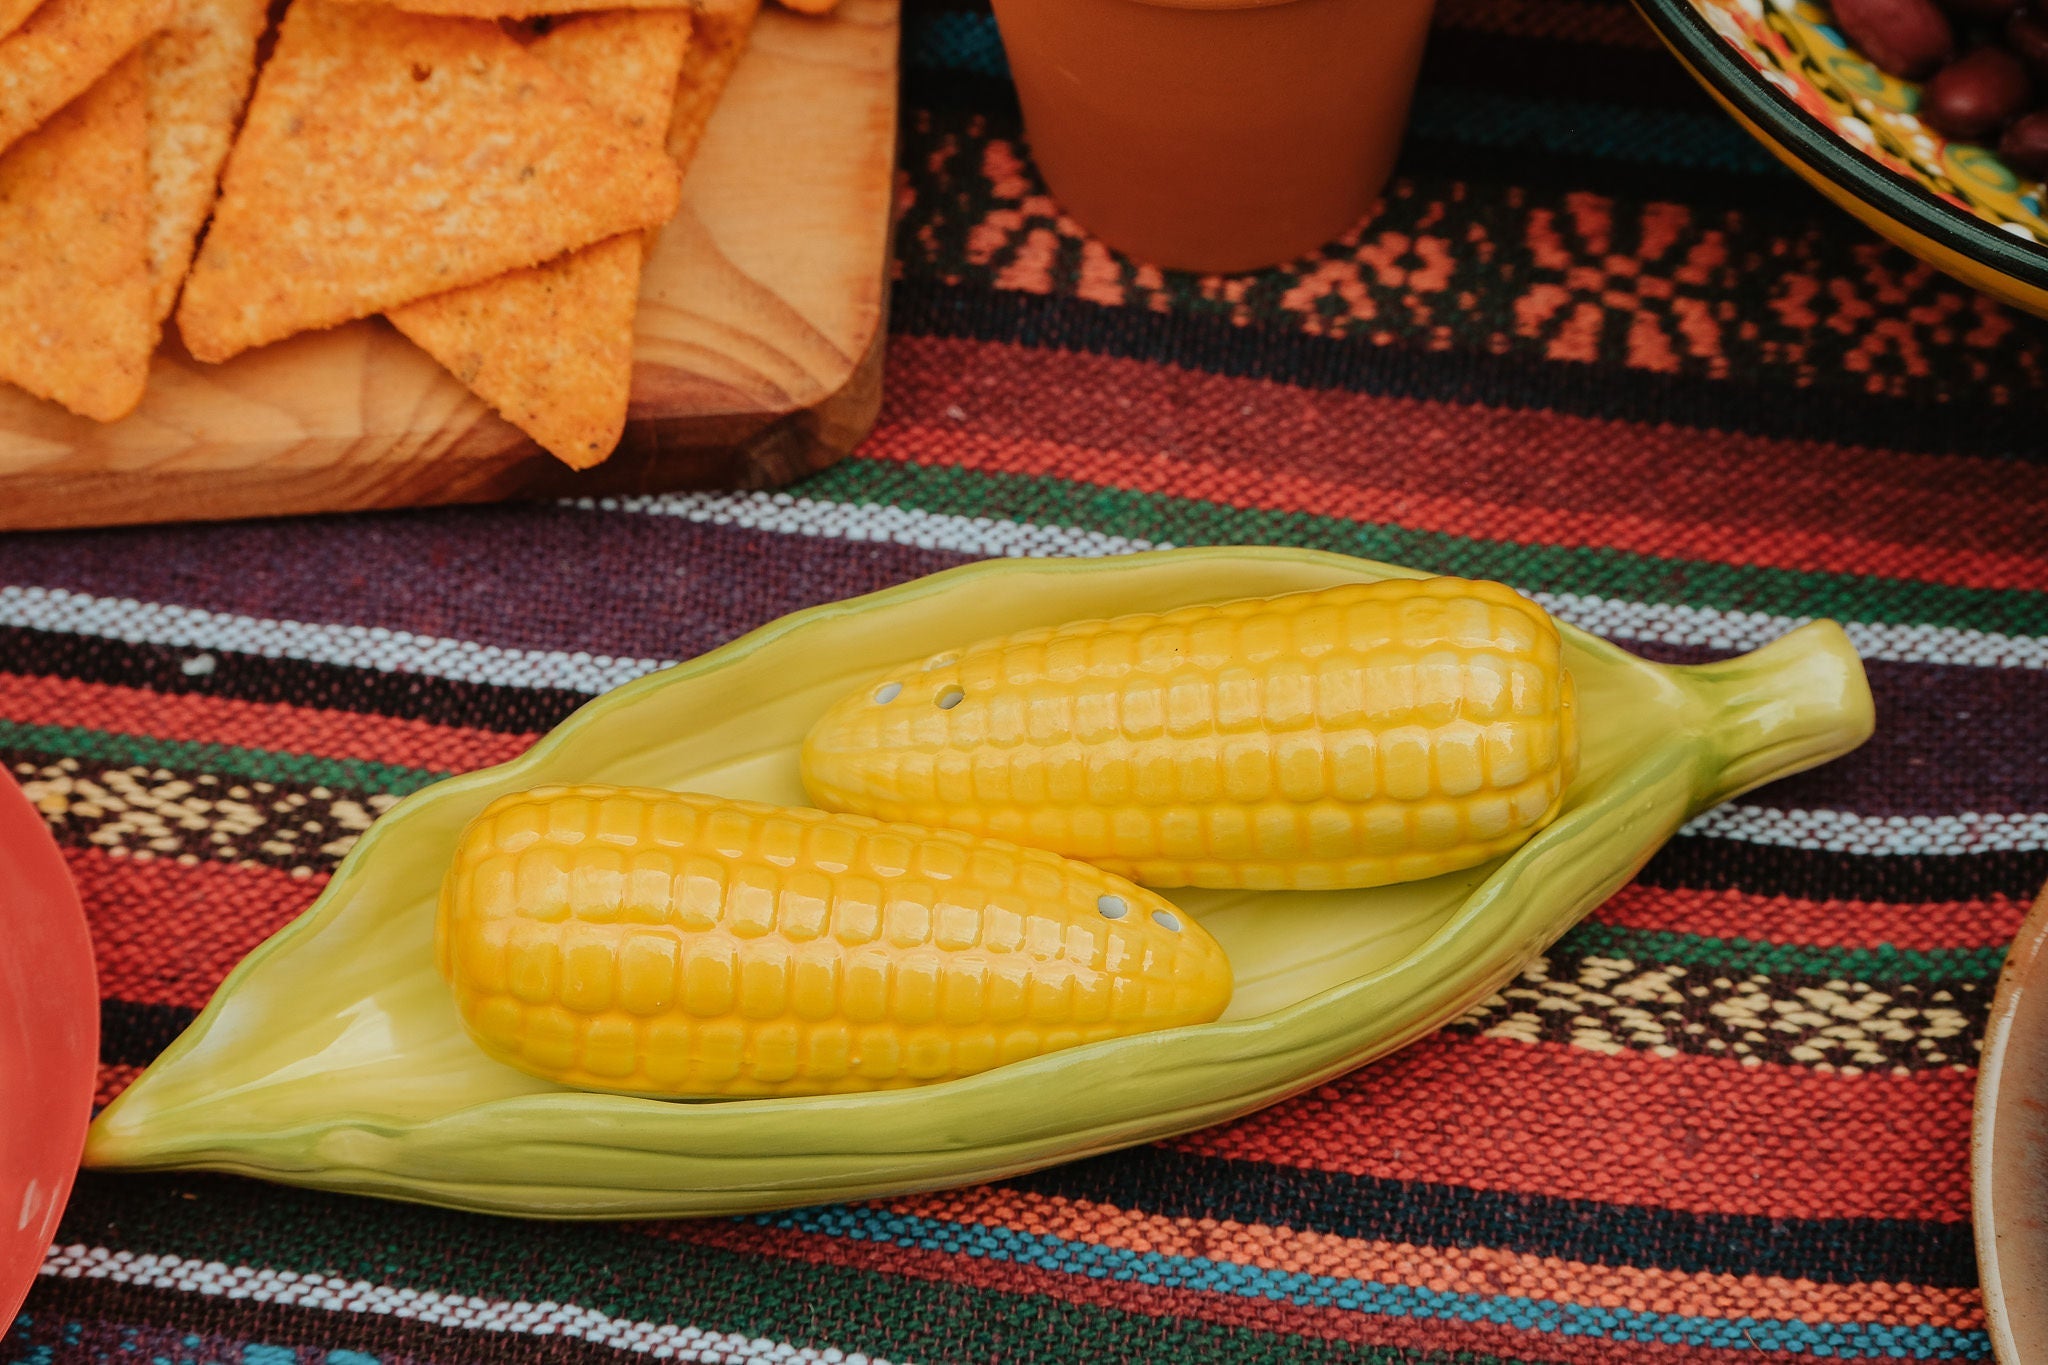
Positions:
(166, 933)
(274, 726)
(1703, 1134)
(1461, 469)
(1223, 1309)
(114, 1077)
(1929, 926)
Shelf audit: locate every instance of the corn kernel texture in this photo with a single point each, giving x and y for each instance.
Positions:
(670, 944)
(1354, 736)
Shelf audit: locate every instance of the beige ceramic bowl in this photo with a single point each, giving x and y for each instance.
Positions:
(2009, 1152)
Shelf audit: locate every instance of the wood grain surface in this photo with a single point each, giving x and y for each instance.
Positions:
(757, 355)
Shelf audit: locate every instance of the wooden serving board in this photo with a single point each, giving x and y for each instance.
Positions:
(757, 357)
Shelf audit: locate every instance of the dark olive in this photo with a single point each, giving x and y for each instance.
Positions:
(1908, 38)
(1993, 11)
(2025, 146)
(1973, 97)
(2027, 36)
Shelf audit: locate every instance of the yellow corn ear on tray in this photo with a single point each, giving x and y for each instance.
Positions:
(1360, 735)
(336, 1055)
(658, 942)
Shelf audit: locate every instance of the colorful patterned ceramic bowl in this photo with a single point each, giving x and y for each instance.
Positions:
(1790, 77)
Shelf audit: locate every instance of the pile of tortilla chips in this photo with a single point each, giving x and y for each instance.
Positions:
(483, 173)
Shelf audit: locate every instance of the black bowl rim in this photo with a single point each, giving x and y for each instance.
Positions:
(1716, 62)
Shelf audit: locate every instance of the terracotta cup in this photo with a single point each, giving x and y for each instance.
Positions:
(1215, 135)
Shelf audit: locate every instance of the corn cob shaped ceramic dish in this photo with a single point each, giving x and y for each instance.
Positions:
(334, 1055)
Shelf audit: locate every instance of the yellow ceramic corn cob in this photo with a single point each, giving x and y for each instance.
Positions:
(1359, 735)
(624, 939)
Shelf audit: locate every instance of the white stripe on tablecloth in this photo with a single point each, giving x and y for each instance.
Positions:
(466, 1312)
(1897, 835)
(390, 651)
(1656, 622)
(783, 514)
(57, 609)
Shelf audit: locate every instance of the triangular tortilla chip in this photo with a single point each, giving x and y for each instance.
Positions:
(390, 156)
(518, 9)
(13, 12)
(199, 72)
(626, 63)
(74, 271)
(720, 38)
(551, 348)
(63, 47)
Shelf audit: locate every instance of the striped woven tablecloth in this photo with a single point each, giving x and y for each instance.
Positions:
(1593, 344)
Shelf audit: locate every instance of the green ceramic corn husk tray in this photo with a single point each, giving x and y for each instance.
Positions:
(332, 1056)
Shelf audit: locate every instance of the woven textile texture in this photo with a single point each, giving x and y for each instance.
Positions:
(1593, 344)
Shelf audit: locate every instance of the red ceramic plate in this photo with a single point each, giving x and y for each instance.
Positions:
(49, 1041)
